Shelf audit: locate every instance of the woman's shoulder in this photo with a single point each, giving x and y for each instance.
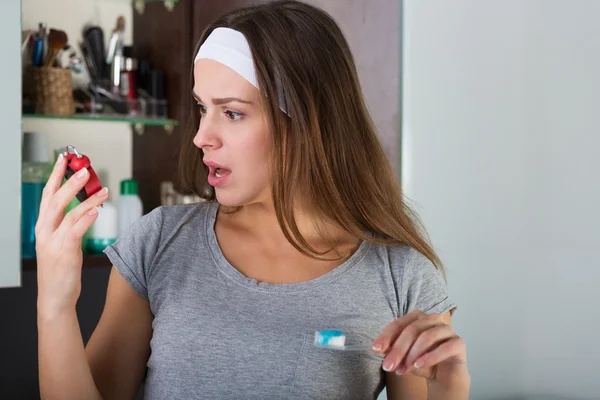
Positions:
(178, 212)
(405, 263)
(416, 281)
(401, 255)
(136, 251)
(164, 221)
(174, 215)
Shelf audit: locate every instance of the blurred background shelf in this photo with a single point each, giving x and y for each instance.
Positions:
(89, 261)
(110, 118)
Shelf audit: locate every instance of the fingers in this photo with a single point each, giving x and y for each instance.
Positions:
(427, 340)
(78, 221)
(407, 337)
(74, 236)
(54, 182)
(453, 348)
(58, 201)
(391, 332)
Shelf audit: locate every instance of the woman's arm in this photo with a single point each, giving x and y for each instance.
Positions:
(412, 387)
(405, 387)
(64, 372)
(120, 345)
(114, 362)
(429, 342)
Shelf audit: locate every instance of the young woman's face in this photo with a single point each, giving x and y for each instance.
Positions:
(233, 134)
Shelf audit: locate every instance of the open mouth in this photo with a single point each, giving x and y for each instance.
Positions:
(218, 173)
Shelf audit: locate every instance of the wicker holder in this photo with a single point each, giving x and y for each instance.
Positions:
(51, 90)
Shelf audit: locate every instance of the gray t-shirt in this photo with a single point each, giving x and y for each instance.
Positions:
(220, 335)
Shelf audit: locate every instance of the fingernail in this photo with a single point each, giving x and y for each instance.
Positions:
(388, 365)
(93, 211)
(81, 173)
(377, 347)
(60, 158)
(418, 364)
(102, 192)
(400, 371)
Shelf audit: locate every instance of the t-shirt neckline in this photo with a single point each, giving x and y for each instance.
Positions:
(233, 274)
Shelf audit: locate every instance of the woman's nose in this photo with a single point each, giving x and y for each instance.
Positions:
(207, 136)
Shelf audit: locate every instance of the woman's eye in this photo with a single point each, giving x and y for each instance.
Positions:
(201, 108)
(234, 116)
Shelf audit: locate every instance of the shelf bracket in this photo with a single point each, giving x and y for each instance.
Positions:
(140, 5)
(169, 5)
(138, 128)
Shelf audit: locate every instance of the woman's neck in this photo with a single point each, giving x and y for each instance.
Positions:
(260, 220)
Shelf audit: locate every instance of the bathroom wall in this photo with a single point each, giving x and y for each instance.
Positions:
(372, 27)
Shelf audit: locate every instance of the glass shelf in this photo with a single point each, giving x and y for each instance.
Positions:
(140, 5)
(110, 118)
(143, 1)
(161, 1)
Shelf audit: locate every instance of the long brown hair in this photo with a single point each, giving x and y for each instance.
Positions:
(327, 149)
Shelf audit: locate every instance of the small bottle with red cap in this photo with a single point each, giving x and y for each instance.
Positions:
(77, 161)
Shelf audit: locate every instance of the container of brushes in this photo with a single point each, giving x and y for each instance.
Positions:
(52, 90)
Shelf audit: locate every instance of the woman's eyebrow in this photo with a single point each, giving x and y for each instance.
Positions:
(223, 100)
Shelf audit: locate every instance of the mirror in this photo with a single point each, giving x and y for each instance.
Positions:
(500, 154)
(10, 161)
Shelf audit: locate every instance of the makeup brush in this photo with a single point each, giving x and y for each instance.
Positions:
(57, 40)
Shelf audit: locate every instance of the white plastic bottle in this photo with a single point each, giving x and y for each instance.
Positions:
(104, 230)
(129, 205)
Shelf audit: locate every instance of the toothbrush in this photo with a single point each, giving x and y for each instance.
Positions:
(335, 339)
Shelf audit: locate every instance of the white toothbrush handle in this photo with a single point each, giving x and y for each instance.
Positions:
(358, 347)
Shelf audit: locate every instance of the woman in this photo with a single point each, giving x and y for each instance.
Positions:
(304, 229)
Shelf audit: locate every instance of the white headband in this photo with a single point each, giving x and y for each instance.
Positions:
(230, 48)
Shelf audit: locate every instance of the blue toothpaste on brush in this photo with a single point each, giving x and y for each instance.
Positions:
(330, 339)
(335, 339)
